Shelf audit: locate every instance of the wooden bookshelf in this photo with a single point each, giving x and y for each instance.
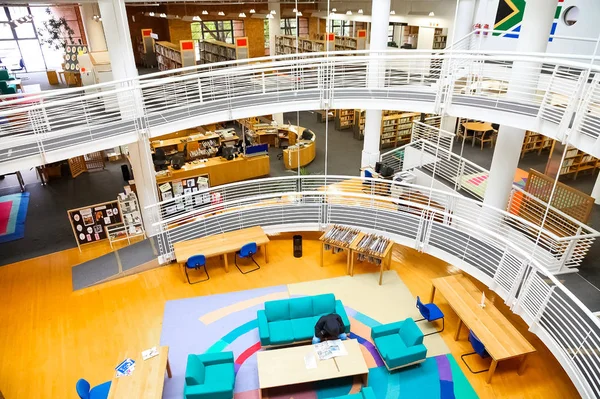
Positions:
(345, 43)
(411, 32)
(321, 115)
(344, 119)
(440, 36)
(359, 124)
(577, 161)
(146, 49)
(216, 51)
(535, 142)
(396, 129)
(168, 55)
(285, 44)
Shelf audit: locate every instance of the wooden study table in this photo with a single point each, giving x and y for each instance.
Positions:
(385, 256)
(221, 244)
(146, 381)
(481, 127)
(501, 339)
(287, 366)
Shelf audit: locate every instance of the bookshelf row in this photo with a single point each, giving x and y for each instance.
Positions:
(286, 44)
(577, 161)
(216, 51)
(535, 142)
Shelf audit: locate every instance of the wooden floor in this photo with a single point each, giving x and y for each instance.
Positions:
(51, 336)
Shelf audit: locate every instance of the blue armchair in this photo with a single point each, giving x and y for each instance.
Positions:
(478, 348)
(98, 392)
(209, 376)
(247, 251)
(400, 344)
(365, 393)
(430, 312)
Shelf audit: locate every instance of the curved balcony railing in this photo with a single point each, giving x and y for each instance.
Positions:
(479, 240)
(540, 92)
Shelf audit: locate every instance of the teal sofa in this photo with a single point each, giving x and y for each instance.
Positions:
(289, 321)
(400, 344)
(209, 376)
(365, 393)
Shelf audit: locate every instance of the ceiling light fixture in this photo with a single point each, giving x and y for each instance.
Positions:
(204, 12)
(360, 11)
(252, 11)
(221, 13)
(151, 13)
(163, 15)
(270, 16)
(333, 9)
(273, 12)
(348, 12)
(294, 10)
(392, 12)
(196, 18)
(432, 14)
(242, 15)
(299, 14)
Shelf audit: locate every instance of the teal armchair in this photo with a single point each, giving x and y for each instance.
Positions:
(209, 376)
(4, 75)
(365, 393)
(400, 344)
(5, 88)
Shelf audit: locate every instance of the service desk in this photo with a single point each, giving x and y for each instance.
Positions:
(220, 171)
(300, 152)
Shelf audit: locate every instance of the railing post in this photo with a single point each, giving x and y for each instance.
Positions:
(568, 252)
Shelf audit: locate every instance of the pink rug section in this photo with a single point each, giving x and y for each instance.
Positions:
(5, 208)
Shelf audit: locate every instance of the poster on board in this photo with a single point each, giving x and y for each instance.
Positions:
(88, 223)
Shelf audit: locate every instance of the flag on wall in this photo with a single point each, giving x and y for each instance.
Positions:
(510, 14)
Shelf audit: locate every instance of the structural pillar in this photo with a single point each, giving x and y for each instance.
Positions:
(463, 24)
(448, 124)
(118, 39)
(94, 31)
(596, 190)
(274, 30)
(533, 37)
(380, 14)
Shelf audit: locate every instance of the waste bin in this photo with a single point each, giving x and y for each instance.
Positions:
(297, 246)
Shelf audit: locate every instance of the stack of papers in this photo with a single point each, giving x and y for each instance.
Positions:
(149, 353)
(330, 349)
(126, 367)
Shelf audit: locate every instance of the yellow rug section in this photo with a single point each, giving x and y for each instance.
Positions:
(386, 303)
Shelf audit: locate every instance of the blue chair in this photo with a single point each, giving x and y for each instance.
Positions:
(430, 312)
(247, 251)
(196, 262)
(479, 349)
(98, 392)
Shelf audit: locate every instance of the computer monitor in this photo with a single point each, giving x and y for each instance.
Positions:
(386, 171)
(378, 166)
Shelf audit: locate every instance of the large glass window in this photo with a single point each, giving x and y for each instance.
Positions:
(220, 30)
(340, 27)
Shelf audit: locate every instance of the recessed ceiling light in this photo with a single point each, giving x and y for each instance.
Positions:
(273, 12)
(252, 11)
(333, 9)
(151, 13)
(242, 15)
(392, 12)
(432, 14)
(221, 13)
(163, 15)
(360, 11)
(349, 12)
(196, 18)
(204, 12)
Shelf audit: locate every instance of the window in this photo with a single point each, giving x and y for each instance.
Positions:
(391, 29)
(223, 31)
(12, 50)
(341, 28)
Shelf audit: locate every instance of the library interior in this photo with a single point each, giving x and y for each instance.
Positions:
(376, 170)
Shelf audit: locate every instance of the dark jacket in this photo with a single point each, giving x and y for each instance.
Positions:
(329, 326)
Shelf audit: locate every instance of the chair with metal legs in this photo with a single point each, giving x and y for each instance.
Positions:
(247, 251)
(430, 312)
(196, 262)
(478, 348)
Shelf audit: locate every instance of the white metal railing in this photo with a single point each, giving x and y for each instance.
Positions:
(545, 87)
(458, 230)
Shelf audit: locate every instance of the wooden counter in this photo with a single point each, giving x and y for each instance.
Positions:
(221, 171)
(307, 155)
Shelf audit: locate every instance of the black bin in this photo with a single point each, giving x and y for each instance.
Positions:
(297, 246)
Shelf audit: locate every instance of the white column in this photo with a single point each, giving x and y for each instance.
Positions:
(94, 32)
(118, 40)
(448, 124)
(463, 24)
(140, 160)
(278, 117)
(596, 190)
(274, 25)
(535, 29)
(380, 14)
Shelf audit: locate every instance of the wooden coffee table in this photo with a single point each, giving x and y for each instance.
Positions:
(282, 367)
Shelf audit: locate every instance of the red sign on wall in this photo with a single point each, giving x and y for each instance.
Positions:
(330, 37)
(146, 32)
(362, 33)
(242, 42)
(187, 45)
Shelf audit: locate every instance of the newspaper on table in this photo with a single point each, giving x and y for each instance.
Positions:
(126, 367)
(330, 349)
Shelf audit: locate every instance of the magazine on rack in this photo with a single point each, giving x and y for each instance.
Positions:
(329, 349)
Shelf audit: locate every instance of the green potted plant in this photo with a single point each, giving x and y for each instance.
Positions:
(56, 34)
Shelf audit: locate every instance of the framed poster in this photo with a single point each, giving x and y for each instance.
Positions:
(88, 223)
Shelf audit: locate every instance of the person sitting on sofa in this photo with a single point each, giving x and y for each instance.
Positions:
(328, 327)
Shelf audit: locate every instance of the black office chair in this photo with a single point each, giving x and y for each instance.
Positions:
(159, 159)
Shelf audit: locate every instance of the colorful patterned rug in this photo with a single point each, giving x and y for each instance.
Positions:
(228, 322)
(13, 211)
(476, 183)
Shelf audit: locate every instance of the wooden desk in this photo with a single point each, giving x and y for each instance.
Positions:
(501, 339)
(283, 367)
(147, 380)
(221, 171)
(385, 257)
(294, 157)
(221, 244)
